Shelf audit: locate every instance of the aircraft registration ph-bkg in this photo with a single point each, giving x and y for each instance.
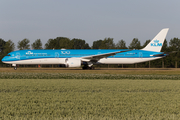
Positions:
(76, 58)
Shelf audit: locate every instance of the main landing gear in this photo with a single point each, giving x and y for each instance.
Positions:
(86, 67)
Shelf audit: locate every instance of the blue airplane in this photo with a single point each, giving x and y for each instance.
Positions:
(87, 58)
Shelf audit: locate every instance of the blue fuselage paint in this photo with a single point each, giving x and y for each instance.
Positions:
(41, 54)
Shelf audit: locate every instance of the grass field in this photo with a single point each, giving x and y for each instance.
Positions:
(77, 73)
(78, 99)
(128, 71)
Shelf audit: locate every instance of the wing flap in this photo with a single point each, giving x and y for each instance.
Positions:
(95, 58)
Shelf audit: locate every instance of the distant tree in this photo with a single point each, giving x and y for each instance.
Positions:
(97, 44)
(121, 45)
(2, 44)
(79, 44)
(174, 44)
(108, 43)
(165, 46)
(24, 44)
(58, 43)
(2, 47)
(135, 44)
(37, 44)
(86, 46)
(165, 59)
(146, 43)
(64, 42)
(9, 47)
(50, 44)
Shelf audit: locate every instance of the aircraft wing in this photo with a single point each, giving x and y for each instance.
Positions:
(95, 58)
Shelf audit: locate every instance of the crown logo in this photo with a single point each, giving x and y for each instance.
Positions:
(156, 41)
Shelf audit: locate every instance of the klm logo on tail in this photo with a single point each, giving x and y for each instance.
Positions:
(156, 43)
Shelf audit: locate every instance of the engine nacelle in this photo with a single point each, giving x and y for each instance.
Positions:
(72, 62)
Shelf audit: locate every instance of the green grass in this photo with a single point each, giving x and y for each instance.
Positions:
(124, 71)
(11, 75)
(89, 99)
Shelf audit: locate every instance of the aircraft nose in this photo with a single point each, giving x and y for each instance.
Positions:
(4, 59)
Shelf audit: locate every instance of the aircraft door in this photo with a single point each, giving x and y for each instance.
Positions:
(18, 56)
(56, 55)
(141, 55)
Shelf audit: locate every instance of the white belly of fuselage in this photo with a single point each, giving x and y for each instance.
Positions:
(101, 61)
(125, 60)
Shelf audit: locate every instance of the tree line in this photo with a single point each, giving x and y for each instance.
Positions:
(173, 60)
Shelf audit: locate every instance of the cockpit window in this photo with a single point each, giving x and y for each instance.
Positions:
(8, 55)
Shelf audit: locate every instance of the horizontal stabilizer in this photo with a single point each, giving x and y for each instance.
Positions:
(159, 55)
(163, 54)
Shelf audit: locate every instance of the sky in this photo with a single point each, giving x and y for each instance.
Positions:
(89, 20)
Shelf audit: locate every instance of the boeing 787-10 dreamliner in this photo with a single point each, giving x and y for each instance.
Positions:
(76, 58)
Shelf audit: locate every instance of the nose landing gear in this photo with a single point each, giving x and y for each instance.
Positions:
(15, 67)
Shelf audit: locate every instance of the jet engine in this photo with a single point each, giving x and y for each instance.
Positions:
(72, 62)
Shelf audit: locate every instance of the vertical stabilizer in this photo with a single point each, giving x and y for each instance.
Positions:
(157, 42)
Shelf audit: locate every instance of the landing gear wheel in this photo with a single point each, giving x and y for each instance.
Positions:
(85, 67)
(92, 68)
(15, 68)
